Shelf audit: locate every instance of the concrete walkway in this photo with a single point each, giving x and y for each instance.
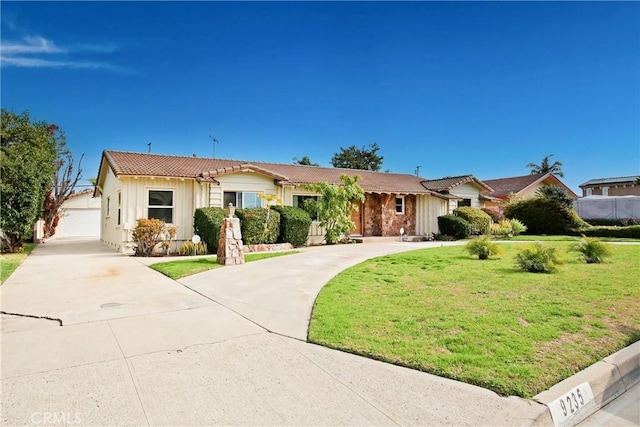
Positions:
(138, 348)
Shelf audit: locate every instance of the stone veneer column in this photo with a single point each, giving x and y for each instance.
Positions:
(230, 251)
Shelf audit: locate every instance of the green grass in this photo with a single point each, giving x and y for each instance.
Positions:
(186, 267)
(482, 322)
(545, 238)
(9, 262)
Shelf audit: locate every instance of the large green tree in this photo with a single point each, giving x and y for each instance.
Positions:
(358, 158)
(546, 166)
(335, 205)
(27, 165)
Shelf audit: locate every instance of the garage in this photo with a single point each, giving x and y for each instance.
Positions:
(79, 223)
(80, 216)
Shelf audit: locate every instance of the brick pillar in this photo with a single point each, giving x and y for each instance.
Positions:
(230, 250)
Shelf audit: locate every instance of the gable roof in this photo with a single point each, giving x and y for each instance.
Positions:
(616, 180)
(502, 187)
(205, 169)
(448, 183)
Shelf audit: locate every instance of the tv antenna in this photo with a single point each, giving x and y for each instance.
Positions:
(149, 146)
(215, 142)
(418, 170)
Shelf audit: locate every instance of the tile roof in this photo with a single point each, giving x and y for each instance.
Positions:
(506, 186)
(616, 180)
(450, 182)
(144, 164)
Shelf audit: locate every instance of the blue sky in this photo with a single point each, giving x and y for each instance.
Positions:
(454, 87)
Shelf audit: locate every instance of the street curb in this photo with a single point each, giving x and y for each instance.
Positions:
(608, 379)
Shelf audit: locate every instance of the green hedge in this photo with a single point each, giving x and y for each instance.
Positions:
(252, 226)
(619, 222)
(630, 232)
(452, 225)
(294, 225)
(479, 221)
(545, 216)
(206, 224)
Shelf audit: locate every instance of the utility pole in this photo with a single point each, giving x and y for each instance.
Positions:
(149, 146)
(215, 142)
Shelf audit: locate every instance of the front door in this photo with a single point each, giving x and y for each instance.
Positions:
(356, 217)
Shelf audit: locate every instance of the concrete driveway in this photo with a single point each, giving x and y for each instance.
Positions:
(137, 348)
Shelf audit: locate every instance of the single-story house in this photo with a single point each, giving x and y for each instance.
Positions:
(467, 189)
(522, 187)
(171, 188)
(620, 186)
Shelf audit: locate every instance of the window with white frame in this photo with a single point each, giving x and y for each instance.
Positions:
(400, 205)
(589, 191)
(464, 202)
(242, 199)
(160, 205)
(605, 191)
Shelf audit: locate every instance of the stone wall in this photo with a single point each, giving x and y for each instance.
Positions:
(230, 248)
(380, 218)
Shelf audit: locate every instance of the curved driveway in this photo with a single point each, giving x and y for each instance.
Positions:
(138, 348)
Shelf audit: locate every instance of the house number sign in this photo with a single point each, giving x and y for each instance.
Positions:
(570, 404)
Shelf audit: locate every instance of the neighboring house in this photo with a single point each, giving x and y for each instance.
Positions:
(620, 186)
(80, 216)
(467, 189)
(522, 187)
(171, 188)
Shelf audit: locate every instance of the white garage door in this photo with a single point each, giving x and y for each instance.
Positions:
(80, 223)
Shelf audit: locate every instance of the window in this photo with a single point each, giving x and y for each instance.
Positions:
(605, 191)
(464, 202)
(108, 207)
(589, 191)
(298, 201)
(241, 199)
(400, 205)
(119, 207)
(161, 205)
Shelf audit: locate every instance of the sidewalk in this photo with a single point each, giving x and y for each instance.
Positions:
(138, 348)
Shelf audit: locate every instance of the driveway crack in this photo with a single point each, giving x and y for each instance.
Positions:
(32, 316)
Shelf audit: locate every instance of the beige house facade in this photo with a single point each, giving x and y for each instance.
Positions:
(171, 188)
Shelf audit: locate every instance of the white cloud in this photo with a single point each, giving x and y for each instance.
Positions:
(28, 62)
(39, 52)
(30, 45)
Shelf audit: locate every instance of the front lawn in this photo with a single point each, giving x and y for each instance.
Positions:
(187, 267)
(482, 322)
(9, 262)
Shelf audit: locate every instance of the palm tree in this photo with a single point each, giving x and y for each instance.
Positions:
(544, 167)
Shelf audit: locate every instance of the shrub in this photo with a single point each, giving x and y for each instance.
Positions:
(252, 224)
(630, 232)
(149, 233)
(455, 226)
(502, 228)
(538, 258)
(546, 216)
(496, 216)
(483, 247)
(294, 225)
(189, 248)
(479, 221)
(620, 222)
(591, 250)
(206, 224)
(559, 194)
(517, 226)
